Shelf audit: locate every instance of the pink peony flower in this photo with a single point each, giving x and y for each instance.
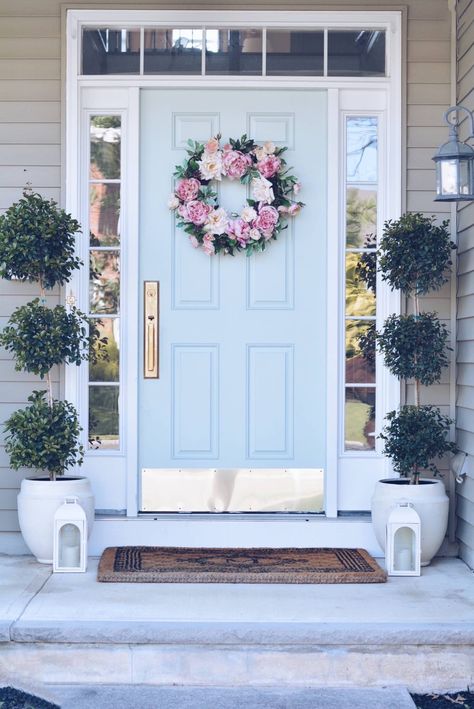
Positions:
(236, 164)
(227, 147)
(267, 219)
(188, 189)
(208, 245)
(294, 208)
(239, 229)
(193, 241)
(212, 145)
(269, 166)
(197, 211)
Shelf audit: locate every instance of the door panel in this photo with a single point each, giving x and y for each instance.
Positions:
(242, 340)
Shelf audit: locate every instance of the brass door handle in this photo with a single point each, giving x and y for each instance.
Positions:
(151, 329)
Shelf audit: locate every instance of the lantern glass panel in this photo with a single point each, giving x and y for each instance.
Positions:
(404, 549)
(69, 546)
(465, 177)
(448, 177)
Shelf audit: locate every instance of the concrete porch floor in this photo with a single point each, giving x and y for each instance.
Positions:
(69, 629)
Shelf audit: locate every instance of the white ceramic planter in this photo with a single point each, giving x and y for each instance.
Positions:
(38, 500)
(429, 500)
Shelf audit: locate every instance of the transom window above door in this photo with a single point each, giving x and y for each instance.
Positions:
(152, 50)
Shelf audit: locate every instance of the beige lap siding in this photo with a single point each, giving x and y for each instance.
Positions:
(465, 303)
(30, 128)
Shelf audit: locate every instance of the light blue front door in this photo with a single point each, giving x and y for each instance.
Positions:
(242, 341)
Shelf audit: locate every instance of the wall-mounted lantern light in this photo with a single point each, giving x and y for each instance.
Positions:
(455, 162)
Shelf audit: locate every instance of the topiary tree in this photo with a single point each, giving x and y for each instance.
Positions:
(37, 244)
(414, 257)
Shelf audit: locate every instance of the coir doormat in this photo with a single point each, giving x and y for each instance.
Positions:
(200, 565)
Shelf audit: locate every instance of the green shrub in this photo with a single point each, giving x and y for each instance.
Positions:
(37, 242)
(414, 257)
(44, 436)
(414, 347)
(414, 437)
(415, 254)
(41, 337)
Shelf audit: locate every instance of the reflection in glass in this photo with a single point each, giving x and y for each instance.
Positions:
(361, 149)
(107, 370)
(105, 137)
(360, 284)
(104, 282)
(360, 418)
(295, 52)
(360, 352)
(173, 51)
(359, 53)
(104, 214)
(361, 218)
(110, 51)
(104, 417)
(234, 52)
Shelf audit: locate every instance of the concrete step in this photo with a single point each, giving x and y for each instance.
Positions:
(413, 632)
(91, 697)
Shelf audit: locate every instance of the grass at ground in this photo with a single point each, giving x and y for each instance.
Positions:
(15, 699)
(457, 700)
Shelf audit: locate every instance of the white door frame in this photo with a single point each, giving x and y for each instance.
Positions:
(120, 94)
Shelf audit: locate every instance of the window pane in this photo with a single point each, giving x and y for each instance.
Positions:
(104, 215)
(360, 284)
(359, 53)
(173, 51)
(361, 149)
(104, 282)
(105, 136)
(234, 52)
(291, 52)
(361, 218)
(107, 370)
(360, 352)
(104, 417)
(360, 418)
(106, 51)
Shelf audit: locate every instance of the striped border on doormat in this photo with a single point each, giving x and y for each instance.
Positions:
(202, 565)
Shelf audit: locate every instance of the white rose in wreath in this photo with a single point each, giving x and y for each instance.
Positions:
(210, 166)
(248, 214)
(262, 190)
(216, 222)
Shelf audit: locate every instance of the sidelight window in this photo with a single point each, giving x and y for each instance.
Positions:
(361, 186)
(105, 134)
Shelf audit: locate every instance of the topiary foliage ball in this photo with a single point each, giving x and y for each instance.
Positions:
(414, 437)
(37, 242)
(415, 253)
(41, 337)
(44, 437)
(414, 346)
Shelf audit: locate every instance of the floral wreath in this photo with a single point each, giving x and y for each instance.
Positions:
(273, 189)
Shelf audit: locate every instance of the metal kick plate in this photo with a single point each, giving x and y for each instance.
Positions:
(232, 490)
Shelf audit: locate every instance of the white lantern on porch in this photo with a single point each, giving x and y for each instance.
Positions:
(70, 537)
(403, 547)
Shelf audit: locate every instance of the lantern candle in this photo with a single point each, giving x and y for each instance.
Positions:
(404, 560)
(71, 555)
